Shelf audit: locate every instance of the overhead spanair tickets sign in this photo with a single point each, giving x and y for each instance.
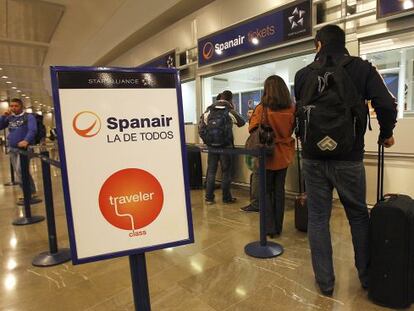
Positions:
(123, 160)
(388, 9)
(290, 22)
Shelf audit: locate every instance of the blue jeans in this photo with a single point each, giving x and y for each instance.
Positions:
(15, 161)
(348, 177)
(212, 164)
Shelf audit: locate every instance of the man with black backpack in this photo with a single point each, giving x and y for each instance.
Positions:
(331, 122)
(216, 130)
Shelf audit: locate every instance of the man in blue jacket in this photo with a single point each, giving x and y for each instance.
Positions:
(22, 131)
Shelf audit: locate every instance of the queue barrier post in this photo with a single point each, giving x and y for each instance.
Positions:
(27, 219)
(139, 280)
(263, 248)
(54, 256)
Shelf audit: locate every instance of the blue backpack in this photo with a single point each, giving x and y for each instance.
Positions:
(218, 130)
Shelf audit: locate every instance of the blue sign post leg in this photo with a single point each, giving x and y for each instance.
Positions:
(263, 248)
(139, 282)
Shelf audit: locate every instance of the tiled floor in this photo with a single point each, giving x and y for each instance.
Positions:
(214, 273)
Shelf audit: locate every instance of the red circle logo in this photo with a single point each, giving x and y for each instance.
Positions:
(86, 124)
(208, 50)
(131, 199)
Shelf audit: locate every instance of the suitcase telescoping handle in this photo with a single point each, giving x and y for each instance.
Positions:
(380, 173)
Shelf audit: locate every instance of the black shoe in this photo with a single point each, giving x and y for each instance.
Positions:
(210, 202)
(327, 292)
(249, 209)
(230, 201)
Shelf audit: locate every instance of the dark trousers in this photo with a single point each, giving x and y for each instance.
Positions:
(212, 164)
(275, 200)
(254, 188)
(348, 177)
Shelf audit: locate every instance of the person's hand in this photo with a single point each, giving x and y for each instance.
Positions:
(23, 144)
(7, 112)
(388, 142)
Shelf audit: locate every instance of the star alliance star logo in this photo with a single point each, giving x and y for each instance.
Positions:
(170, 62)
(296, 20)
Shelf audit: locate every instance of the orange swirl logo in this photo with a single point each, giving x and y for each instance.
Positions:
(208, 50)
(86, 124)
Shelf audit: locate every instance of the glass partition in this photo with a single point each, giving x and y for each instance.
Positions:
(247, 84)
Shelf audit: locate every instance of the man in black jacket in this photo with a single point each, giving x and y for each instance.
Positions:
(223, 103)
(345, 172)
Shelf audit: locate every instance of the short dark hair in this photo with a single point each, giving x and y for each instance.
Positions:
(330, 35)
(218, 97)
(276, 95)
(17, 100)
(227, 95)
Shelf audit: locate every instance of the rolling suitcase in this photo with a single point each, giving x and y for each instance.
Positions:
(194, 167)
(301, 209)
(391, 269)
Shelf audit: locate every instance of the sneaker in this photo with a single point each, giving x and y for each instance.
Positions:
(210, 202)
(249, 209)
(230, 201)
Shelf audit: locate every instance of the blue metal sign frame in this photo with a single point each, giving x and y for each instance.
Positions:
(288, 23)
(66, 191)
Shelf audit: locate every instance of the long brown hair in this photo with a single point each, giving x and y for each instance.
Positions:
(276, 95)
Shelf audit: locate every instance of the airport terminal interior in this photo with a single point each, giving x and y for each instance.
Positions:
(197, 260)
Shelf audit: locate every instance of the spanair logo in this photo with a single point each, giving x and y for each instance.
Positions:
(208, 50)
(86, 124)
(297, 18)
(131, 199)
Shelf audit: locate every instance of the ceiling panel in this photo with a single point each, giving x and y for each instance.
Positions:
(37, 20)
(4, 54)
(25, 55)
(3, 18)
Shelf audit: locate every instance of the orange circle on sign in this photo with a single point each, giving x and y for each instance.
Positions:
(131, 199)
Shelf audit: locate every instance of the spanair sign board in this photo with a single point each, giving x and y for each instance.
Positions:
(122, 149)
(288, 23)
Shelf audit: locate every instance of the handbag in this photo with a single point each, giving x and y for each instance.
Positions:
(262, 136)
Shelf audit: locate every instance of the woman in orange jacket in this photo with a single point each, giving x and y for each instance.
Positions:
(277, 103)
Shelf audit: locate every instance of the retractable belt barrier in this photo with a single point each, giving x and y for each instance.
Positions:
(262, 248)
(55, 255)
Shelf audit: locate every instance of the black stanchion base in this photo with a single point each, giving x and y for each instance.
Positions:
(271, 249)
(47, 259)
(21, 221)
(32, 201)
(10, 184)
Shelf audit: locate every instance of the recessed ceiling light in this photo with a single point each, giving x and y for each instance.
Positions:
(9, 82)
(4, 77)
(18, 91)
(27, 97)
(35, 101)
(23, 95)
(13, 87)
